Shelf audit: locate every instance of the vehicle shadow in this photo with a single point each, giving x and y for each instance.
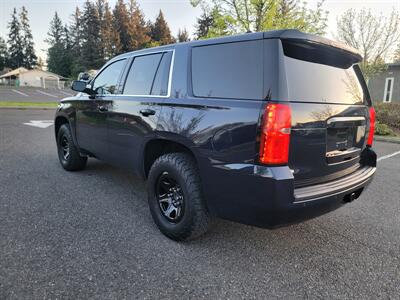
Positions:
(132, 191)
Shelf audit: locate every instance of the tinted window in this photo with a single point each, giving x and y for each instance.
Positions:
(160, 85)
(106, 82)
(233, 70)
(141, 74)
(313, 82)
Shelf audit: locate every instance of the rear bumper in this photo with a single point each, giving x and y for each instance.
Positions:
(265, 196)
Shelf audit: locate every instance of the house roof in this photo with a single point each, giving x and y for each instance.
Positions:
(21, 70)
(14, 72)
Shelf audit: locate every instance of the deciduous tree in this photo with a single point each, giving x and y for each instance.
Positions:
(237, 16)
(375, 36)
(396, 56)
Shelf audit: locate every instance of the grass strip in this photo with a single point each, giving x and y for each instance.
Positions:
(28, 104)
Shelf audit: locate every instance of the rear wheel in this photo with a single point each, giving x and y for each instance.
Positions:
(68, 153)
(175, 198)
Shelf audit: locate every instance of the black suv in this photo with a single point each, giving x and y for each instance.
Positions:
(265, 128)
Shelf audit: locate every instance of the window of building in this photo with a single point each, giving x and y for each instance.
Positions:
(387, 96)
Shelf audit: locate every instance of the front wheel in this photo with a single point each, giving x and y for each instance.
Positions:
(175, 198)
(68, 153)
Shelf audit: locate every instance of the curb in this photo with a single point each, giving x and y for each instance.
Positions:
(388, 139)
(28, 107)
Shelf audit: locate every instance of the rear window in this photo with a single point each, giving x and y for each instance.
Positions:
(232, 70)
(314, 82)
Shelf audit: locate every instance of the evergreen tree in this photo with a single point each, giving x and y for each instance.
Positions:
(109, 36)
(57, 56)
(75, 33)
(55, 33)
(91, 57)
(121, 26)
(3, 54)
(160, 32)
(138, 30)
(30, 57)
(204, 23)
(15, 48)
(100, 7)
(183, 36)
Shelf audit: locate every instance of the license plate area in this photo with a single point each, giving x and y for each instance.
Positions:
(340, 139)
(344, 138)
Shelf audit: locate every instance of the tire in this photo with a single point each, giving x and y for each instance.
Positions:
(191, 218)
(68, 153)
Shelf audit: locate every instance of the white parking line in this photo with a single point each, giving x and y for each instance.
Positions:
(47, 94)
(68, 94)
(21, 93)
(388, 156)
(40, 123)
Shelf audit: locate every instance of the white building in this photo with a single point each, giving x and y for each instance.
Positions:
(35, 78)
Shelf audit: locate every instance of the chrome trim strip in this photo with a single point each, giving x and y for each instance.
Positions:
(344, 119)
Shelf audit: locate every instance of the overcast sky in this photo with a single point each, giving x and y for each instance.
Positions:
(178, 13)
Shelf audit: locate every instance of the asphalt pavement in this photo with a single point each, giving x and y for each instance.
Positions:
(31, 94)
(89, 234)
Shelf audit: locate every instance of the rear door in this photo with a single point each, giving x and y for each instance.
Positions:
(133, 115)
(330, 115)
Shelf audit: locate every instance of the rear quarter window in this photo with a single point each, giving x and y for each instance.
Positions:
(232, 70)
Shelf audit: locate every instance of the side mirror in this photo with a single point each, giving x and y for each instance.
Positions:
(81, 86)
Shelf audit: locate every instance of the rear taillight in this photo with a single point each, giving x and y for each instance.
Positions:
(275, 134)
(371, 126)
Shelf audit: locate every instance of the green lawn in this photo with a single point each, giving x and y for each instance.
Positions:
(28, 104)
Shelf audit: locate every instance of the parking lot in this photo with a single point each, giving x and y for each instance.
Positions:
(89, 234)
(31, 94)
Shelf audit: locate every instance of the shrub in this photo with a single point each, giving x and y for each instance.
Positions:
(383, 129)
(389, 114)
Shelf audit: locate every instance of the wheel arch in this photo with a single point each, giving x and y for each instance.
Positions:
(58, 122)
(156, 147)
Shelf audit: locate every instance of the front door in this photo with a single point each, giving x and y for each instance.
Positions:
(92, 111)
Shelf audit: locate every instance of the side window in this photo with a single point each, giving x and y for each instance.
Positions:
(106, 82)
(141, 74)
(160, 85)
(232, 70)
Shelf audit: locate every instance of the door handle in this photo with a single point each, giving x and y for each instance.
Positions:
(102, 108)
(147, 112)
